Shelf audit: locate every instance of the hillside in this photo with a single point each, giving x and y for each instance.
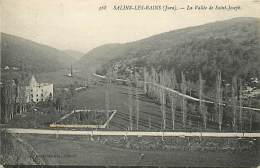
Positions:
(74, 54)
(231, 46)
(96, 57)
(30, 56)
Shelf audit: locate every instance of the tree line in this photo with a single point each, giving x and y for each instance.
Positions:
(226, 111)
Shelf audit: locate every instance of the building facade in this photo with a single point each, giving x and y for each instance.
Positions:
(38, 92)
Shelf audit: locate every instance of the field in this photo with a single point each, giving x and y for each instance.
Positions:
(82, 117)
(150, 115)
(85, 150)
(150, 112)
(59, 79)
(76, 150)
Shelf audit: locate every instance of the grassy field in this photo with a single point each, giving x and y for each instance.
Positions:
(94, 98)
(59, 79)
(73, 150)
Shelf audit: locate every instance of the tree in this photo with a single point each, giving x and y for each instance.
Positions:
(173, 109)
(251, 116)
(107, 101)
(59, 104)
(184, 101)
(145, 81)
(162, 99)
(137, 102)
(130, 105)
(240, 106)
(173, 97)
(234, 102)
(202, 106)
(149, 121)
(110, 76)
(219, 100)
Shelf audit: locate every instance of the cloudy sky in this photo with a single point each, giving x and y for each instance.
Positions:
(79, 25)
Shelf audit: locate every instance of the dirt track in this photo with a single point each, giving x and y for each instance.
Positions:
(132, 133)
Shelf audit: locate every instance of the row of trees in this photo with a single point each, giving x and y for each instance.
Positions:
(157, 85)
(133, 92)
(224, 107)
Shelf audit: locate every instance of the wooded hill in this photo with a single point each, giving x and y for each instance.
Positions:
(30, 56)
(230, 46)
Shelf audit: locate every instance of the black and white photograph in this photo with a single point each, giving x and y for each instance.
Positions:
(130, 83)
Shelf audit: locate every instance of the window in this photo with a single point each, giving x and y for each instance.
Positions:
(32, 95)
(37, 100)
(31, 100)
(41, 95)
(37, 95)
(42, 99)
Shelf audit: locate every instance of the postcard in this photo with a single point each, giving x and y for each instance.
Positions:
(140, 83)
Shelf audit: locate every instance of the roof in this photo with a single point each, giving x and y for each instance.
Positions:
(33, 81)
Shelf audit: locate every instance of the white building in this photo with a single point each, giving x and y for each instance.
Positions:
(6, 68)
(38, 92)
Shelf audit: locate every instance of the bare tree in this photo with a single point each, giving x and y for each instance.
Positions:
(107, 94)
(137, 103)
(234, 102)
(173, 98)
(150, 122)
(250, 116)
(130, 105)
(145, 80)
(202, 106)
(107, 102)
(251, 120)
(173, 109)
(163, 109)
(157, 89)
(184, 101)
(240, 106)
(219, 100)
(163, 101)
(154, 81)
(167, 83)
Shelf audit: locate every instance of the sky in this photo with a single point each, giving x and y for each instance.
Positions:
(80, 25)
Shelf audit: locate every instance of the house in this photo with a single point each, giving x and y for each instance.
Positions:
(15, 68)
(38, 92)
(6, 68)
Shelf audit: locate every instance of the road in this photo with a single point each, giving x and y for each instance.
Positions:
(132, 133)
